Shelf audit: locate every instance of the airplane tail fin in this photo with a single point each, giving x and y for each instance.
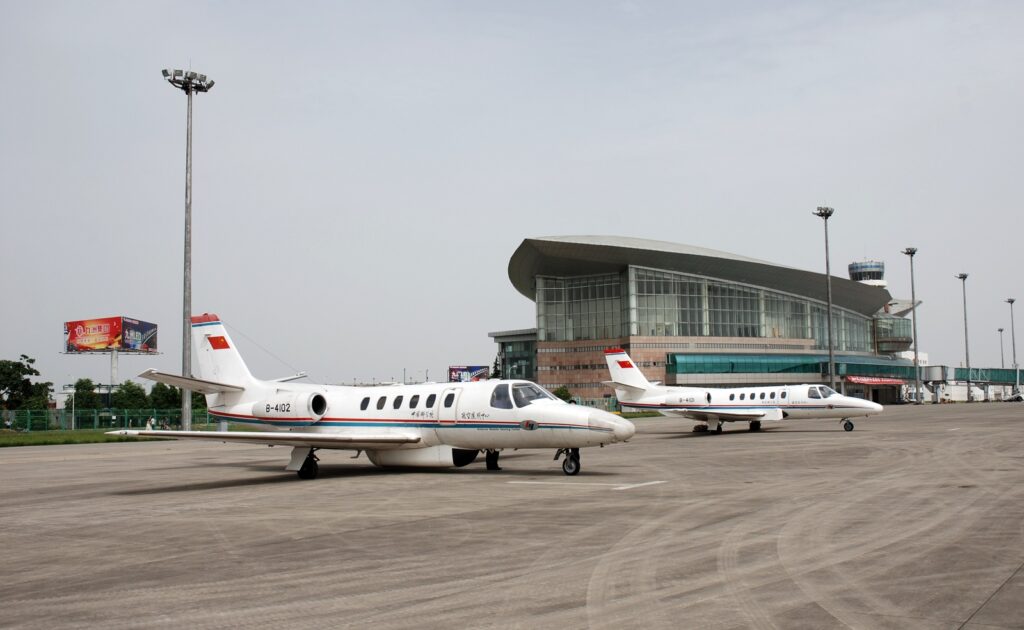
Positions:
(216, 355)
(627, 379)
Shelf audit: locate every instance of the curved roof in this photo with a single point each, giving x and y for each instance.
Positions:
(586, 255)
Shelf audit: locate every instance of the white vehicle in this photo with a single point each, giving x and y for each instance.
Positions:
(427, 425)
(715, 406)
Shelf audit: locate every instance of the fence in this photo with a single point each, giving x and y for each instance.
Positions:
(62, 420)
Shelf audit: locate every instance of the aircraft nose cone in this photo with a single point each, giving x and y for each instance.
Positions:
(876, 408)
(621, 428)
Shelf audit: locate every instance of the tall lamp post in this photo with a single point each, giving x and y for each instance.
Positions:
(910, 251)
(189, 82)
(967, 350)
(1013, 340)
(825, 213)
(1002, 357)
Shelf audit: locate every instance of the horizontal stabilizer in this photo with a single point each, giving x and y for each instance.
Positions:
(284, 438)
(191, 384)
(630, 388)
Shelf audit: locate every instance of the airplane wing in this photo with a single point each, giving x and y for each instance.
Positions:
(192, 384)
(772, 413)
(285, 438)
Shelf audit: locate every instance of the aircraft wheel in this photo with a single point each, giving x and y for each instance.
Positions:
(755, 425)
(310, 469)
(571, 464)
(718, 429)
(848, 425)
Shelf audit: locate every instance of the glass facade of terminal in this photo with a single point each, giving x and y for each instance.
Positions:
(678, 363)
(651, 302)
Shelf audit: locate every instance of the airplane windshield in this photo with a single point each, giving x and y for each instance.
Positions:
(812, 392)
(499, 397)
(526, 393)
(827, 391)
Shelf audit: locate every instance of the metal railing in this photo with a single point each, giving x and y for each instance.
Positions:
(62, 420)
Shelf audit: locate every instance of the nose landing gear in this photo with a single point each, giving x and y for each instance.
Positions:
(571, 463)
(847, 425)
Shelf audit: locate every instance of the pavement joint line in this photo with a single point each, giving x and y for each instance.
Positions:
(956, 429)
(639, 485)
(563, 483)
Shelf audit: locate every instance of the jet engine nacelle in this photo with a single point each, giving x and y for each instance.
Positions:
(292, 405)
(442, 456)
(687, 397)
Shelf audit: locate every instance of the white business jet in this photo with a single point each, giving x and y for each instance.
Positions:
(715, 406)
(426, 425)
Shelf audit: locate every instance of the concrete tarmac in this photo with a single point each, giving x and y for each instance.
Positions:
(913, 520)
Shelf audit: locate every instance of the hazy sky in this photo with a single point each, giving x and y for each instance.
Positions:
(364, 170)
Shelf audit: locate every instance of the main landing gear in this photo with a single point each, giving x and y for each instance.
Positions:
(310, 469)
(571, 463)
(491, 457)
(847, 425)
(755, 425)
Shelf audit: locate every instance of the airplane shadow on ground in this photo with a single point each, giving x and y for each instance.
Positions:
(329, 470)
(667, 435)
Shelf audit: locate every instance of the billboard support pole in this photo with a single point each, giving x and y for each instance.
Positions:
(113, 369)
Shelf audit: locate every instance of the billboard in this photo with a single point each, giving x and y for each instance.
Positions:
(464, 373)
(105, 334)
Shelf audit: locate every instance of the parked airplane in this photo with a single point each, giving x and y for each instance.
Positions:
(430, 425)
(715, 406)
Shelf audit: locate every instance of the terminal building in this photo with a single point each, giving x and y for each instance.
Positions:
(697, 317)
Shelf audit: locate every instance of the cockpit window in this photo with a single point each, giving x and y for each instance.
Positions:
(827, 391)
(526, 393)
(500, 398)
(812, 392)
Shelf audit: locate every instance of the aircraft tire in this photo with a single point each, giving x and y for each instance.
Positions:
(718, 428)
(848, 425)
(755, 425)
(310, 469)
(491, 458)
(571, 465)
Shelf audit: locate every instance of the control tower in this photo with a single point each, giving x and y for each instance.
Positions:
(870, 272)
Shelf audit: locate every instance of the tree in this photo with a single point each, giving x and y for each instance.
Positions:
(16, 383)
(164, 396)
(41, 396)
(563, 393)
(129, 396)
(86, 396)
(496, 370)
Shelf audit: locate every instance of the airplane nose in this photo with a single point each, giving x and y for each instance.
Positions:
(876, 408)
(621, 428)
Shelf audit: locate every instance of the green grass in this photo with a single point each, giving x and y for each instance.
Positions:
(44, 438)
(641, 414)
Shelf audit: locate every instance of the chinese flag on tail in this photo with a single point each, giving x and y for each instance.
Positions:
(219, 343)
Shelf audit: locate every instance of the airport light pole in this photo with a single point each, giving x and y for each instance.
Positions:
(967, 350)
(825, 213)
(910, 251)
(189, 82)
(1013, 340)
(1002, 357)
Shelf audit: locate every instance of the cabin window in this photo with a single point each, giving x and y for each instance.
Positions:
(366, 403)
(762, 395)
(415, 400)
(732, 396)
(782, 395)
(449, 399)
(381, 401)
(772, 395)
(812, 392)
(397, 403)
(743, 396)
(500, 398)
(526, 393)
(430, 400)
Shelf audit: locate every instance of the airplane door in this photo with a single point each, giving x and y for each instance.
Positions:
(448, 406)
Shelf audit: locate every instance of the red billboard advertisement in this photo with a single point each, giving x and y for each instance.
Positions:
(464, 373)
(104, 334)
